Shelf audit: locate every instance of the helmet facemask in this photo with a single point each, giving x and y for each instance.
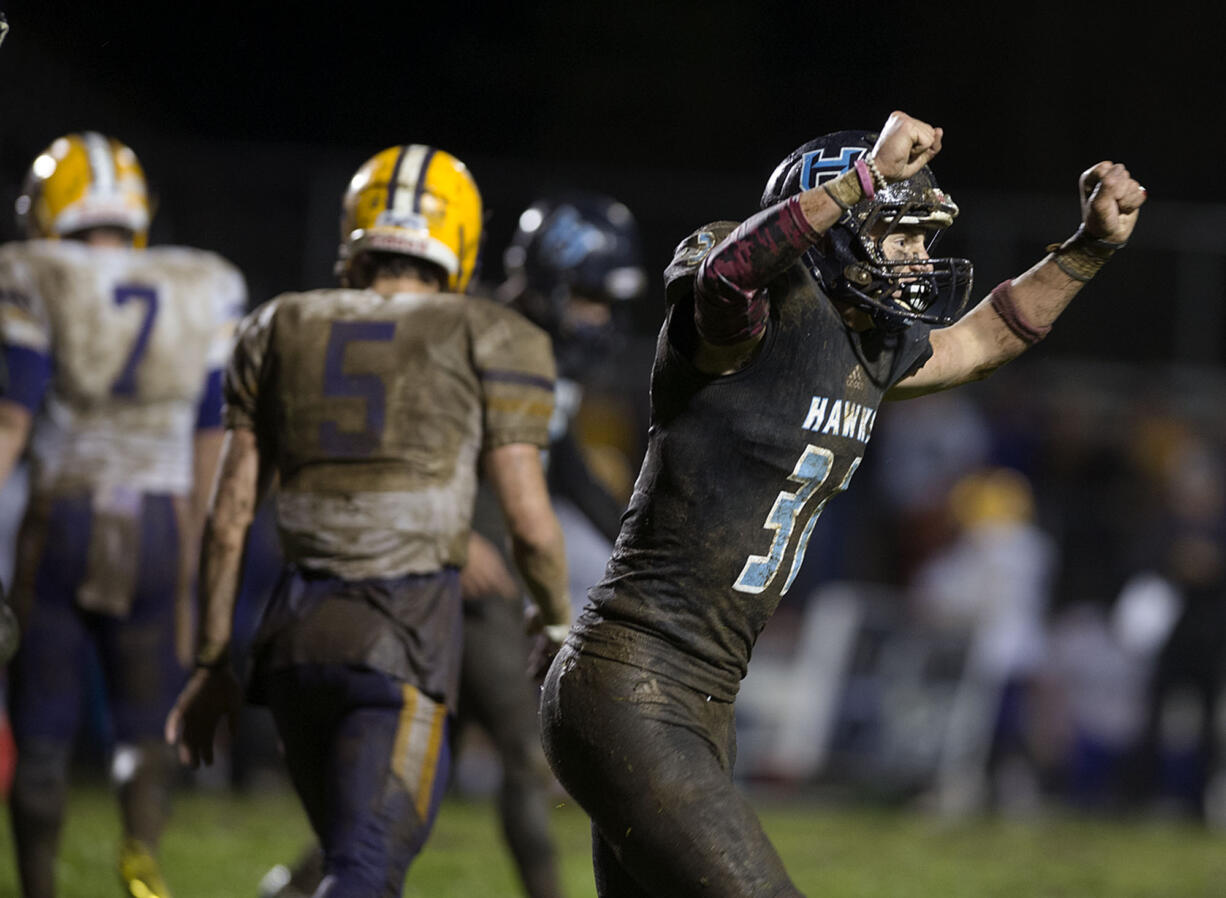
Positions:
(897, 292)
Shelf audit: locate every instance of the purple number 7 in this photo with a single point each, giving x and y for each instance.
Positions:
(125, 383)
(370, 387)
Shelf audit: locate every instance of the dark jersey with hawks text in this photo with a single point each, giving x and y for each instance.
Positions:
(738, 468)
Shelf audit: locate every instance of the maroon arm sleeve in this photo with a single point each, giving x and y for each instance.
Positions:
(730, 302)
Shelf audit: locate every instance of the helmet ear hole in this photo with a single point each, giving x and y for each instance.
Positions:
(858, 275)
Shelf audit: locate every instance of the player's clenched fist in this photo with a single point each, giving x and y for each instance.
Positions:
(905, 146)
(1110, 201)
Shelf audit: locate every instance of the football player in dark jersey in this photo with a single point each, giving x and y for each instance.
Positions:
(782, 337)
(574, 260)
(373, 406)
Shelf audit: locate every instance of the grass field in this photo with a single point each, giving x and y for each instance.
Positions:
(219, 846)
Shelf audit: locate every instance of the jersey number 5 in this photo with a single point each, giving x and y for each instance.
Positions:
(810, 472)
(354, 443)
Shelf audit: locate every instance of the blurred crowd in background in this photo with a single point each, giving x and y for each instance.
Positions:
(1031, 613)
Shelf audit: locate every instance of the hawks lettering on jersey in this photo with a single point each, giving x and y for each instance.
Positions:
(119, 353)
(373, 411)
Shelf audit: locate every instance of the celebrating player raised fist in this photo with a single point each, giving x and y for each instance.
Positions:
(636, 712)
(1110, 201)
(905, 146)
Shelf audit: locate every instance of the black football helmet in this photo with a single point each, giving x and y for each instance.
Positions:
(574, 246)
(850, 263)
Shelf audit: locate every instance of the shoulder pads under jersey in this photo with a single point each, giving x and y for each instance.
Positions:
(679, 275)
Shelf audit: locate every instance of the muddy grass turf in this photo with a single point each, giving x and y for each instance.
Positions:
(219, 845)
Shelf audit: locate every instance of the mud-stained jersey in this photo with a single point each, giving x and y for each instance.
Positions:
(373, 410)
(119, 353)
(737, 470)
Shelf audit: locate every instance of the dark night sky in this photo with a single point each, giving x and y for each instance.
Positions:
(681, 109)
(1027, 94)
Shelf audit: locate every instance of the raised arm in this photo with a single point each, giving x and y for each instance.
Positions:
(1020, 312)
(730, 303)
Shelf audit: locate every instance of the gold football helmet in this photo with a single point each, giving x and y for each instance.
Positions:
(418, 201)
(85, 180)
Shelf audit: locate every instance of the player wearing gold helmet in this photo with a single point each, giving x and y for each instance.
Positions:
(373, 405)
(115, 355)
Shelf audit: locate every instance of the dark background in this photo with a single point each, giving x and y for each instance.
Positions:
(250, 118)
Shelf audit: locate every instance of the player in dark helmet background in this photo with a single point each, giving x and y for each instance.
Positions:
(782, 337)
(572, 266)
(573, 262)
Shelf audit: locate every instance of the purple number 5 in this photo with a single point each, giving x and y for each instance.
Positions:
(125, 383)
(370, 387)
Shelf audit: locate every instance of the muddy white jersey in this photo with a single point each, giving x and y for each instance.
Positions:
(118, 354)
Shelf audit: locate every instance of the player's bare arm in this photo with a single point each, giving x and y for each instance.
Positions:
(1020, 312)
(206, 450)
(730, 299)
(15, 420)
(514, 471)
(213, 692)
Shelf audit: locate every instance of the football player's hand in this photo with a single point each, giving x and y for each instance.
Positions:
(209, 695)
(904, 146)
(485, 574)
(1111, 200)
(546, 642)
